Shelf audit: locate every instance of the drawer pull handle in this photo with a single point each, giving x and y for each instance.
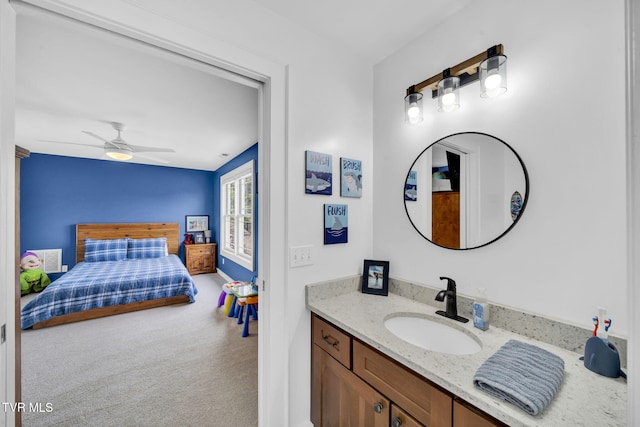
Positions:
(397, 422)
(377, 407)
(331, 340)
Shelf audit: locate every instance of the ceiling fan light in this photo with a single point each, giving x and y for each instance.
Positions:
(118, 153)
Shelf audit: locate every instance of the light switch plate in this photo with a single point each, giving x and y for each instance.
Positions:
(299, 256)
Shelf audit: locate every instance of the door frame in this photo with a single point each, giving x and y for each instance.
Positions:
(8, 349)
(273, 354)
(632, 38)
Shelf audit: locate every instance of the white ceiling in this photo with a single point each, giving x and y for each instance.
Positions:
(72, 78)
(373, 29)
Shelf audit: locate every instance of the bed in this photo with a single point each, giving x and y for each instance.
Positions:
(128, 267)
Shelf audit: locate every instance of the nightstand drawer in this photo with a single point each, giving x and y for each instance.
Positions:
(197, 250)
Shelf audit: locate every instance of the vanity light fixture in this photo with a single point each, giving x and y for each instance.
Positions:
(493, 74)
(490, 67)
(448, 93)
(413, 107)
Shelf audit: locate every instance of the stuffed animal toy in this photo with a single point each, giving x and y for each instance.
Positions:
(32, 278)
(188, 239)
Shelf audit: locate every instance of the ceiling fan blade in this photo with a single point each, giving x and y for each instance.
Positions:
(72, 143)
(142, 149)
(95, 136)
(155, 159)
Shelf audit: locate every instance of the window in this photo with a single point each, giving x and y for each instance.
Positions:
(236, 215)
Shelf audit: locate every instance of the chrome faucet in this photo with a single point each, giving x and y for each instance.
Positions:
(452, 301)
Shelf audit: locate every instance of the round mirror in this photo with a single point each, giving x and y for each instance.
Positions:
(466, 190)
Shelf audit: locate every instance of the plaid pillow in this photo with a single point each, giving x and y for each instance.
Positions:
(105, 250)
(147, 248)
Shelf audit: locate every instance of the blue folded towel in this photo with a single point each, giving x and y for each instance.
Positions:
(522, 374)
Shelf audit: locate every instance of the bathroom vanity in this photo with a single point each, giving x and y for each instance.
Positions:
(358, 363)
(352, 381)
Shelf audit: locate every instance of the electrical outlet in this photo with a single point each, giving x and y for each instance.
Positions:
(300, 256)
(64, 268)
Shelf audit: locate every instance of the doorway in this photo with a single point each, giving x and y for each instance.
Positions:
(267, 129)
(449, 197)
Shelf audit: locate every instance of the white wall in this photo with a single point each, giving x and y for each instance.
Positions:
(563, 113)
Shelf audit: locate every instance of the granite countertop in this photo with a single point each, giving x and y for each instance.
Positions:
(584, 398)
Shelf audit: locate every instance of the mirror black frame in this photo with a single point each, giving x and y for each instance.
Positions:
(524, 201)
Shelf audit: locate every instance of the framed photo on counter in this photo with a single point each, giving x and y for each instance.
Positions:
(375, 277)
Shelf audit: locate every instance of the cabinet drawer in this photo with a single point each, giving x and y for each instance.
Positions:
(426, 403)
(332, 340)
(468, 416)
(196, 250)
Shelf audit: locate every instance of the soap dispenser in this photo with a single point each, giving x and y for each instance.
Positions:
(481, 311)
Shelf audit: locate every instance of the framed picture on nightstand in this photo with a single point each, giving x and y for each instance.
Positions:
(198, 237)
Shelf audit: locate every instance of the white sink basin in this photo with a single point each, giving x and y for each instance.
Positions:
(431, 334)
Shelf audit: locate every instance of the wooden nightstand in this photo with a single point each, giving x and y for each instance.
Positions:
(200, 258)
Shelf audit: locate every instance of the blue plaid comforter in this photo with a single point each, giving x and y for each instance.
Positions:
(102, 284)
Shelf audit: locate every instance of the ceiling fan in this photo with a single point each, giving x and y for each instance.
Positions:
(119, 149)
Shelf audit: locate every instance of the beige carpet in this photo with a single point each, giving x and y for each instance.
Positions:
(182, 365)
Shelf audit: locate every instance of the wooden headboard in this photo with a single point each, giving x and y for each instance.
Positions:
(170, 230)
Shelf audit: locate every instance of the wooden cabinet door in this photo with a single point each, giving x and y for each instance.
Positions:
(445, 217)
(207, 262)
(341, 399)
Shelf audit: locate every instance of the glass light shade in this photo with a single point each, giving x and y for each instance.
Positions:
(413, 108)
(118, 153)
(449, 94)
(493, 76)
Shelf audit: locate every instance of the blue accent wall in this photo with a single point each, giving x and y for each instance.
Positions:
(230, 268)
(58, 192)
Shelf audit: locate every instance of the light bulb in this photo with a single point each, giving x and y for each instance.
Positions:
(448, 99)
(493, 76)
(449, 102)
(413, 111)
(413, 108)
(493, 81)
(448, 96)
